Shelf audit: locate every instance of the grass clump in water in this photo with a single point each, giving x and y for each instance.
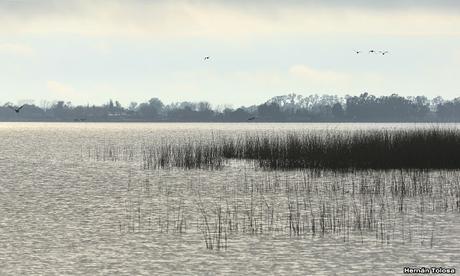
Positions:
(402, 149)
(434, 148)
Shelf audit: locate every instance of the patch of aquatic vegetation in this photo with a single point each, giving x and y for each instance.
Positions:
(434, 148)
(387, 207)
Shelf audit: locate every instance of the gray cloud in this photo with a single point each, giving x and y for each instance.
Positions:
(69, 5)
(226, 18)
(360, 4)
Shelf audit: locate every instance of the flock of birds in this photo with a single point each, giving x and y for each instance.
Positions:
(372, 51)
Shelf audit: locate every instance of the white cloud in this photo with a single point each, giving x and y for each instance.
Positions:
(16, 49)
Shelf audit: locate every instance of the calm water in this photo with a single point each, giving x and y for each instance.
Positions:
(62, 213)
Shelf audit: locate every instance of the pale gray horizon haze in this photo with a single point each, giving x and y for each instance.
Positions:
(92, 51)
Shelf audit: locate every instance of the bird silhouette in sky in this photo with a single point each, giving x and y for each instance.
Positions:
(357, 51)
(16, 109)
(207, 58)
(371, 51)
(383, 52)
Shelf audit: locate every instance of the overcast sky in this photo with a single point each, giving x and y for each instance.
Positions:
(88, 51)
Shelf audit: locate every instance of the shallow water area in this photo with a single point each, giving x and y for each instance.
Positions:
(64, 213)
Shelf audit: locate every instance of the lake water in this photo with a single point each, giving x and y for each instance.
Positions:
(63, 212)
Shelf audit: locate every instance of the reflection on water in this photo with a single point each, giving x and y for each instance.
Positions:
(61, 213)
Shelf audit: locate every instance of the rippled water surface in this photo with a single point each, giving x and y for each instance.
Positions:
(63, 213)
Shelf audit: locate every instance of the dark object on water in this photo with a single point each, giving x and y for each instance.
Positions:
(16, 109)
(252, 119)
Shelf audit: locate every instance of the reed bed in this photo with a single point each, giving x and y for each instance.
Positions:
(188, 155)
(380, 186)
(434, 148)
(384, 207)
(402, 149)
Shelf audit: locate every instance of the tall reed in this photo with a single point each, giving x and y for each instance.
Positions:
(381, 206)
(434, 148)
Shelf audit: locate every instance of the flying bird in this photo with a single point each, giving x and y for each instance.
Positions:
(251, 119)
(357, 51)
(383, 52)
(16, 109)
(371, 51)
(207, 58)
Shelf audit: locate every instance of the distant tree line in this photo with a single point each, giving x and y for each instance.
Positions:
(287, 108)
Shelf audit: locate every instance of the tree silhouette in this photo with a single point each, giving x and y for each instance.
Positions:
(285, 108)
